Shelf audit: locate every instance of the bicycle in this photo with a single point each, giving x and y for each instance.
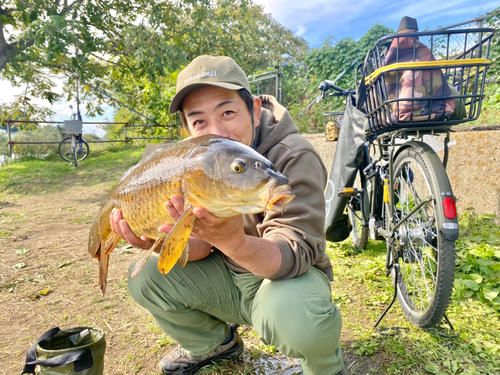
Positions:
(73, 148)
(399, 191)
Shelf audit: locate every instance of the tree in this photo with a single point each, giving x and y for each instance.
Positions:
(127, 46)
(336, 56)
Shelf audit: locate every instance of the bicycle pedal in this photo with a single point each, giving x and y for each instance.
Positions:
(348, 192)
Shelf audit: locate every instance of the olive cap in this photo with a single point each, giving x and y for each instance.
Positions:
(220, 71)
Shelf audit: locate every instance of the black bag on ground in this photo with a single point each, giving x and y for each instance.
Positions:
(348, 157)
(74, 351)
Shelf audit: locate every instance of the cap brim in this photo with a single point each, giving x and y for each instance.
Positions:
(181, 95)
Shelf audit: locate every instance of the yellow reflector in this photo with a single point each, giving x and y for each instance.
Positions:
(386, 191)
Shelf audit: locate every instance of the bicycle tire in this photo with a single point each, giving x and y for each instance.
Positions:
(359, 233)
(66, 150)
(426, 258)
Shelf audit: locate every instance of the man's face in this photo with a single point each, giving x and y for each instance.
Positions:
(214, 110)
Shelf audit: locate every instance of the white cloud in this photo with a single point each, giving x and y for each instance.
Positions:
(301, 30)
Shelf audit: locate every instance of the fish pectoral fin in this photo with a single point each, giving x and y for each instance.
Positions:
(141, 262)
(111, 243)
(184, 256)
(176, 241)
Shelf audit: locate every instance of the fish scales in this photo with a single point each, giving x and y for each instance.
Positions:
(223, 176)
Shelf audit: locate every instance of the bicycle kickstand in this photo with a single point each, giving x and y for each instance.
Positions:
(440, 331)
(382, 331)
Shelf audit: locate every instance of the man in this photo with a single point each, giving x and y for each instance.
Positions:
(265, 270)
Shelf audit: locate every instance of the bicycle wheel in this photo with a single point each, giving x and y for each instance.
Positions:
(426, 258)
(356, 206)
(82, 149)
(66, 150)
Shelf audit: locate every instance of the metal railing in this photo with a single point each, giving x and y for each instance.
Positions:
(173, 132)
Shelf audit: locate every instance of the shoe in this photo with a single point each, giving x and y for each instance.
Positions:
(180, 362)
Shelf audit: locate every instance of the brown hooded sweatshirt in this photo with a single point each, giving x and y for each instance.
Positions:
(299, 231)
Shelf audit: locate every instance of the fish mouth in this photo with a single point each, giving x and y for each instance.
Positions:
(278, 197)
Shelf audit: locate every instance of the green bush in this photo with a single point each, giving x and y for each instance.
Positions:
(478, 259)
(42, 134)
(4, 146)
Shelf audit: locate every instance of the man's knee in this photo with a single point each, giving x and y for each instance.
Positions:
(297, 318)
(150, 288)
(138, 285)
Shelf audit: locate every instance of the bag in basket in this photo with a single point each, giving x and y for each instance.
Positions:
(414, 83)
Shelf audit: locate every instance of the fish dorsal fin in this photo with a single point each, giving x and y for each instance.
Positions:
(176, 241)
(111, 243)
(141, 262)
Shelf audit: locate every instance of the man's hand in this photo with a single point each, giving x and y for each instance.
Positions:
(223, 233)
(260, 256)
(120, 227)
(198, 249)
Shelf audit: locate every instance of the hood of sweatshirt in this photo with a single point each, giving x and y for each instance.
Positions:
(275, 124)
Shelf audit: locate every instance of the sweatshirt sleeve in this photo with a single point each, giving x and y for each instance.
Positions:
(299, 231)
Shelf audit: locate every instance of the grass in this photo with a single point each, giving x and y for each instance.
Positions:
(475, 350)
(36, 176)
(362, 291)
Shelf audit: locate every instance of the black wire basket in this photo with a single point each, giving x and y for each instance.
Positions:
(431, 79)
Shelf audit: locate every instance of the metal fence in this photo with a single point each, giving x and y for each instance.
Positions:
(267, 83)
(173, 132)
(476, 23)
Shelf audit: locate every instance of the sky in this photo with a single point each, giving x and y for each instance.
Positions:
(316, 20)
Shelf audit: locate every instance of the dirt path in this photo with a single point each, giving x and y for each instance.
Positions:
(52, 230)
(48, 279)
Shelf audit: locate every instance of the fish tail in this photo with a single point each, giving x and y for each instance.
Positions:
(103, 272)
(102, 241)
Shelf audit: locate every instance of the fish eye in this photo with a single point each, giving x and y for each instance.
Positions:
(238, 166)
(257, 165)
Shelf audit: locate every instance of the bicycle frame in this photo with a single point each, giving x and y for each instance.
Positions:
(387, 146)
(73, 149)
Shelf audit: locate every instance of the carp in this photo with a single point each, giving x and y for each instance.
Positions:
(224, 176)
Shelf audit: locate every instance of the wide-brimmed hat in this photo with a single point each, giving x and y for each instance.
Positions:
(220, 71)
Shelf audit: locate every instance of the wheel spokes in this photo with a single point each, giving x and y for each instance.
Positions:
(418, 254)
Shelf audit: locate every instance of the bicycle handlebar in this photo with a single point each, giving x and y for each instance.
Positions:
(328, 85)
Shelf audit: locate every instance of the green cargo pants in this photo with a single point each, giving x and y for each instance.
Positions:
(193, 304)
